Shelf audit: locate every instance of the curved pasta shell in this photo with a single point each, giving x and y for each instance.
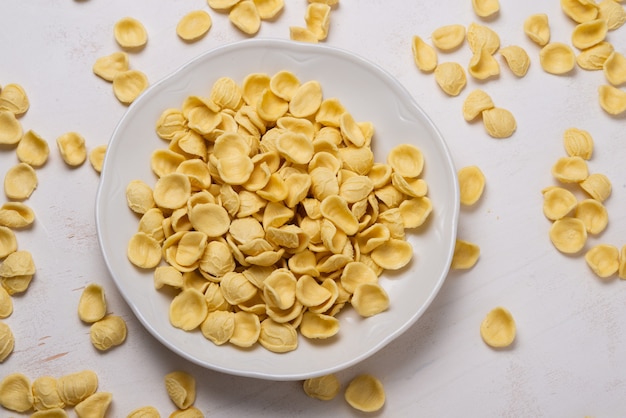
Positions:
(588, 34)
(324, 387)
(570, 169)
(558, 203)
(517, 59)
(144, 251)
(450, 76)
(482, 37)
(406, 159)
(448, 37)
(32, 149)
(278, 337)
(188, 309)
(580, 10)
(8, 242)
(499, 123)
(74, 388)
(16, 215)
(486, 8)
(318, 326)
(568, 235)
(557, 58)
(393, 254)
(593, 214)
(194, 25)
(598, 186)
(593, 58)
(612, 99)
(245, 16)
(219, 326)
(578, 143)
(306, 100)
(471, 183)
(369, 299)
(92, 305)
(14, 99)
(247, 329)
(603, 259)
(465, 255)
(365, 393)
(130, 33)
(20, 181)
(613, 13)
(107, 67)
(498, 328)
(317, 19)
(108, 332)
(129, 84)
(615, 68)
(475, 103)
(335, 209)
(181, 388)
(71, 145)
(537, 28)
(11, 132)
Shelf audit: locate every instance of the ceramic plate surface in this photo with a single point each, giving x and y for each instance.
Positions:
(370, 94)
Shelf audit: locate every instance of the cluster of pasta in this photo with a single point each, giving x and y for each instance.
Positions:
(573, 220)
(106, 331)
(246, 15)
(364, 392)
(317, 22)
(271, 213)
(593, 21)
(471, 187)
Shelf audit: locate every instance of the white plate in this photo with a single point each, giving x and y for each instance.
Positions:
(370, 94)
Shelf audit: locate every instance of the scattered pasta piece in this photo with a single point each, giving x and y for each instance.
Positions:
(144, 251)
(612, 99)
(32, 149)
(483, 65)
(598, 186)
(365, 393)
(537, 28)
(11, 132)
(268, 9)
(424, 55)
(614, 68)
(486, 8)
(580, 10)
(588, 34)
(570, 169)
(7, 343)
(557, 58)
(6, 303)
(300, 34)
(94, 406)
(558, 203)
(222, 4)
(245, 16)
(603, 259)
(475, 103)
(139, 197)
(130, 33)
(498, 328)
(71, 145)
(324, 388)
(317, 19)
(8, 242)
(108, 332)
(499, 122)
(108, 66)
(568, 235)
(614, 14)
(188, 309)
(17, 271)
(45, 395)
(13, 98)
(471, 184)
(593, 58)
(144, 412)
(449, 37)
(517, 59)
(194, 25)
(181, 388)
(279, 337)
(16, 215)
(482, 37)
(191, 412)
(92, 305)
(20, 181)
(622, 263)
(465, 256)
(593, 214)
(50, 413)
(96, 157)
(15, 393)
(450, 76)
(74, 388)
(128, 85)
(578, 143)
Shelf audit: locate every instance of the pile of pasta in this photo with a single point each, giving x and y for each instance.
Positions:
(269, 213)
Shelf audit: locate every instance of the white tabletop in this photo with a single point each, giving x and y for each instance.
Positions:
(568, 359)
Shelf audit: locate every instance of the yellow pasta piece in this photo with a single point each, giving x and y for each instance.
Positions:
(8, 242)
(365, 393)
(612, 99)
(130, 33)
(448, 37)
(32, 149)
(108, 332)
(570, 169)
(578, 143)
(465, 256)
(108, 66)
(277, 337)
(92, 304)
(424, 55)
(76, 387)
(172, 191)
(221, 4)
(517, 59)
(139, 197)
(144, 251)
(71, 145)
(622, 263)
(144, 412)
(194, 25)
(614, 14)
(95, 406)
(482, 37)
(247, 329)
(96, 157)
(317, 19)
(325, 387)
(16, 271)
(11, 132)
(593, 214)
(6, 304)
(593, 58)
(318, 326)
(615, 68)
(450, 76)
(537, 28)
(188, 309)
(14, 99)
(558, 203)
(268, 9)
(245, 17)
(498, 122)
(483, 65)
(603, 259)
(498, 328)
(181, 388)
(475, 103)
(16, 215)
(486, 8)
(218, 327)
(598, 186)
(369, 299)
(568, 235)
(306, 99)
(7, 344)
(471, 183)
(335, 209)
(15, 393)
(20, 181)
(300, 34)
(50, 413)
(45, 394)
(128, 85)
(588, 34)
(415, 211)
(580, 10)
(191, 412)
(406, 159)
(557, 58)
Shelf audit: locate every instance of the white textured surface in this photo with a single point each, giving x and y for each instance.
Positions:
(568, 358)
